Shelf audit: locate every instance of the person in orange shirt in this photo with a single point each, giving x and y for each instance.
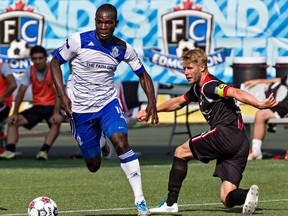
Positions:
(46, 105)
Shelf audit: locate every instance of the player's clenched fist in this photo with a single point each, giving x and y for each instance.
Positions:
(141, 115)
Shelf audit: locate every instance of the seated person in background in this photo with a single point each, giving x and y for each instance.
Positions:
(262, 116)
(46, 105)
(8, 85)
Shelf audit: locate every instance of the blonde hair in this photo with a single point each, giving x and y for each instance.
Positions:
(196, 56)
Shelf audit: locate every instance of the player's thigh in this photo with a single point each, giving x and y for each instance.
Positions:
(265, 114)
(184, 151)
(204, 146)
(88, 136)
(112, 119)
(33, 116)
(22, 121)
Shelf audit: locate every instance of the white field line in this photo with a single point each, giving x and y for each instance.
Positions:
(123, 209)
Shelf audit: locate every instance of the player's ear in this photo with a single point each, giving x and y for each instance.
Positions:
(117, 21)
(203, 67)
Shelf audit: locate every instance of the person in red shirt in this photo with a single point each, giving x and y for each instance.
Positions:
(8, 85)
(46, 105)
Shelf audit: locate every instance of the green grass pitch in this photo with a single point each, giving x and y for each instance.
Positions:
(107, 192)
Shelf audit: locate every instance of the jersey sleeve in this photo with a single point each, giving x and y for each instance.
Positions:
(193, 94)
(133, 60)
(216, 90)
(25, 80)
(6, 70)
(69, 49)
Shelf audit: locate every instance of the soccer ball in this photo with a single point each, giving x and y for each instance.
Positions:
(184, 45)
(18, 49)
(42, 206)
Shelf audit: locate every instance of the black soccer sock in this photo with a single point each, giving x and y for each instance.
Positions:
(236, 197)
(177, 175)
(11, 147)
(45, 147)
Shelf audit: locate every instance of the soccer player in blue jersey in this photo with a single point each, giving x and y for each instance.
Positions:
(93, 106)
(226, 142)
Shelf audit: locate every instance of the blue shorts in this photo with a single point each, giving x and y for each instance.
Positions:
(87, 127)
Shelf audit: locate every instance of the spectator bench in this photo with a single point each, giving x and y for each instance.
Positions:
(249, 121)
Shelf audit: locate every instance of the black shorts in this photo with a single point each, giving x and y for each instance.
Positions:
(281, 109)
(229, 146)
(4, 111)
(37, 114)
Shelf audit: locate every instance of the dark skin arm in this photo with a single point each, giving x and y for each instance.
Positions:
(147, 85)
(58, 82)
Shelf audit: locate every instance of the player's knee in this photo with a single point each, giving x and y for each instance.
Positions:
(120, 142)
(93, 168)
(93, 165)
(178, 151)
(183, 152)
(121, 147)
(261, 115)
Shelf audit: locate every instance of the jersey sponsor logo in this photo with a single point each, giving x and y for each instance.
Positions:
(98, 65)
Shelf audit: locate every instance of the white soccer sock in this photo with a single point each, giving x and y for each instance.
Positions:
(130, 165)
(256, 145)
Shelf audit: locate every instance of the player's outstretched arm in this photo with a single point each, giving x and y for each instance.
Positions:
(247, 98)
(168, 106)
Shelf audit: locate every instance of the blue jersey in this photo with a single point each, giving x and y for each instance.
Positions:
(93, 65)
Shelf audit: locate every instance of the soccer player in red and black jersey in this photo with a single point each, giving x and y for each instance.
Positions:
(226, 142)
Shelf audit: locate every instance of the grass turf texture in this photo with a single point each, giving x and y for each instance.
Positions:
(78, 192)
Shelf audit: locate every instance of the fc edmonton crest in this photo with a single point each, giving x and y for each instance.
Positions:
(21, 28)
(184, 28)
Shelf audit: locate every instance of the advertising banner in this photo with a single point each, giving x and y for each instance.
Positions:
(159, 30)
